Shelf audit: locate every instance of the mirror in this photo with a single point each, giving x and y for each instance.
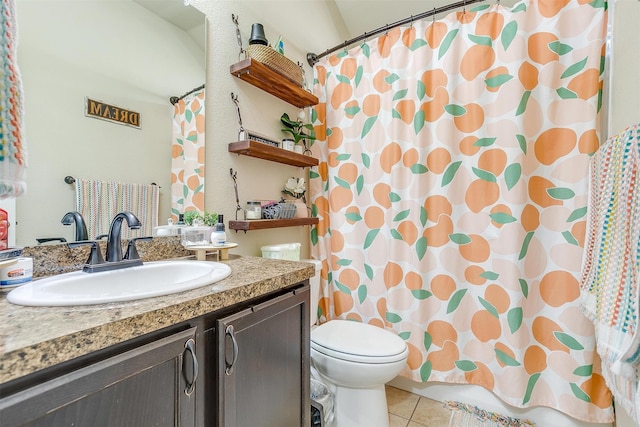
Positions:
(133, 54)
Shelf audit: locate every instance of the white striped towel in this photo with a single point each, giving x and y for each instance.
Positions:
(13, 149)
(99, 201)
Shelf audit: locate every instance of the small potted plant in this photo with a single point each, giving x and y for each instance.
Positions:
(301, 132)
(196, 218)
(199, 226)
(190, 216)
(210, 218)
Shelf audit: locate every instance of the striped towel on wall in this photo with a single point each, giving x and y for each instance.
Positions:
(99, 201)
(13, 151)
(610, 285)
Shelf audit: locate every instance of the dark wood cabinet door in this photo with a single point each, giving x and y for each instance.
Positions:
(152, 385)
(263, 364)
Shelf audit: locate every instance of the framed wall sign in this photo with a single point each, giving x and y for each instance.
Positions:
(111, 113)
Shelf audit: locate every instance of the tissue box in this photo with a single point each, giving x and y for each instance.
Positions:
(196, 236)
(290, 251)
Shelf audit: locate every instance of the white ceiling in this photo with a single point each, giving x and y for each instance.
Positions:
(363, 16)
(174, 11)
(189, 19)
(348, 18)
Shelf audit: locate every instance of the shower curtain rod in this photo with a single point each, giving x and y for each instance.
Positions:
(312, 58)
(175, 99)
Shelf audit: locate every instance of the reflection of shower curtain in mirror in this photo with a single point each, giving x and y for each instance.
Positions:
(187, 155)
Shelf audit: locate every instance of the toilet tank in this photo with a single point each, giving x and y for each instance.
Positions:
(314, 283)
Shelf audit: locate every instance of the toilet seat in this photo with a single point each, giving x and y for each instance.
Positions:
(358, 342)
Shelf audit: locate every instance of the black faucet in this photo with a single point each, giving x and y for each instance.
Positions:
(114, 260)
(114, 241)
(81, 229)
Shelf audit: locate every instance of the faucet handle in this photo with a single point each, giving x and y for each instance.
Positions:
(132, 252)
(95, 257)
(42, 240)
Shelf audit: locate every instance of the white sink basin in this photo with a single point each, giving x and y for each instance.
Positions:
(149, 280)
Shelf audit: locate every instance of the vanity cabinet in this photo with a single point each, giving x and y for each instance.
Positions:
(250, 368)
(150, 385)
(262, 370)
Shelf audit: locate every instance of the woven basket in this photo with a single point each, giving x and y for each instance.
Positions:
(280, 210)
(276, 62)
(287, 211)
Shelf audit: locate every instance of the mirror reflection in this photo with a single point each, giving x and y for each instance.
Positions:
(131, 54)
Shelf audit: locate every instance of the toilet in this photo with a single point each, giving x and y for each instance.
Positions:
(354, 360)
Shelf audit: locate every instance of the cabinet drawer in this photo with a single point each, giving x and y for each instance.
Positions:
(143, 386)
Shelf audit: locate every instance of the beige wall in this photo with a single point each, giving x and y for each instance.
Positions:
(116, 52)
(625, 67)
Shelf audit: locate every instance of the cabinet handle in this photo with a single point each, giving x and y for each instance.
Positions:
(190, 347)
(229, 366)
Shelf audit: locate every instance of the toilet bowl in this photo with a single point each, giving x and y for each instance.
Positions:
(355, 360)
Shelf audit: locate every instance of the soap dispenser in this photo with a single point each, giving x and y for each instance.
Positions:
(219, 236)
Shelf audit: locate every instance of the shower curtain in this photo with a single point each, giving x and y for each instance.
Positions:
(187, 155)
(451, 196)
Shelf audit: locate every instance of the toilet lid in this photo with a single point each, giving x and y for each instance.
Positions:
(358, 342)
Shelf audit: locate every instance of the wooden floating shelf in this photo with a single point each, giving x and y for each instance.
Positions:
(263, 224)
(261, 76)
(274, 154)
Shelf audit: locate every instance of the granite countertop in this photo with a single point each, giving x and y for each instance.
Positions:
(33, 338)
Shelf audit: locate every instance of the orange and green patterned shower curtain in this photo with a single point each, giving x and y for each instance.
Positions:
(451, 196)
(187, 155)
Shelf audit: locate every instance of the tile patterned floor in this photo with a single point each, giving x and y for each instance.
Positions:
(410, 410)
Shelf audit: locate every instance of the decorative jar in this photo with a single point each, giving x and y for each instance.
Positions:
(254, 210)
(287, 144)
(196, 236)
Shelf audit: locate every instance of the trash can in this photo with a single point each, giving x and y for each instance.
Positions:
(321, 404)
(290, 251)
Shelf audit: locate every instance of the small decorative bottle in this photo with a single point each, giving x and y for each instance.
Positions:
(219, 236)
